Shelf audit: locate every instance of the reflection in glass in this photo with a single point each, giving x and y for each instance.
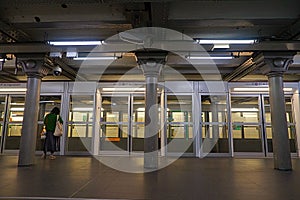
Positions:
(80, 123)
(47, 103)
(246, 128)
(2, 114)
(179, 123)
(114, 123)
(290, 121)
(15, 118)
(245, 109)
(214, 124)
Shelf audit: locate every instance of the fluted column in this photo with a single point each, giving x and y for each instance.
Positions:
(34, 70)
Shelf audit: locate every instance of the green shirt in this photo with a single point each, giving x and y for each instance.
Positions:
(50, 122)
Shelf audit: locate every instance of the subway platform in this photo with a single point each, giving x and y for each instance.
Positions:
(70, 177)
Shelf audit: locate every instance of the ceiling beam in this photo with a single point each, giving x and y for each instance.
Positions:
(169, 45)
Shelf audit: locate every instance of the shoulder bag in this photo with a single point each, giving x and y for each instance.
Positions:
(58, 128)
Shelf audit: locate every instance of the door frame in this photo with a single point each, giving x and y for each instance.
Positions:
(228, 124)
(260, 124)
(192, 124)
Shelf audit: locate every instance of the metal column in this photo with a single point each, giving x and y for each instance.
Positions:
(281, 148)
(151, 124)
(274, 64)
(29, 126)
(151, 64)
(34, 71)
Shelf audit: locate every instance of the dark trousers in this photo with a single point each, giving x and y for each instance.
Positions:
(50, 143)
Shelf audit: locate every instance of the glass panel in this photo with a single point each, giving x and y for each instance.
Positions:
(289, 117)
(214, 136)
(208, 130)
(114, 137)
(80, 137)
(114, 123)
(80, 122)
(16, 112)
(47, 103)
(247, 138)
(138, 127)
(246, 132)
(179, 108)
(213, 108)
(179, 129)
(291, 134)
(81, 109)
(2, 114)
(245, 109)
(288, 108)
(114, 109)
(180, 138)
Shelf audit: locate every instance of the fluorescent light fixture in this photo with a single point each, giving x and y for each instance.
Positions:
(221, 46)
(19, 104)
(123, 89)
(96, 58)
(210, 57)
(47, 101)
(75, 43)
(140, 109)
(226, 41)
(254, 89)
(79, 109)
(3, 59)
(13, 89)
(17, 109)
(244, 109)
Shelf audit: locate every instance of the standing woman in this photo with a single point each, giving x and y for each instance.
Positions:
(50, 141)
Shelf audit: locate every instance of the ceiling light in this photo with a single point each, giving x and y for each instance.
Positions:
(220, 46)
(123, 89)
(96, 58)
(17, 109)
(244, 109)
(13, 89)
(209, 57)
(226, 41)
(82, 109)
(254, 89)
(79, 43)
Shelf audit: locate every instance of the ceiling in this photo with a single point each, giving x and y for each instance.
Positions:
(27, 26)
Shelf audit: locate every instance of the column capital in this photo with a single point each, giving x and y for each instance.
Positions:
(33, 67)
(274, 63)
(151, 68)
(151, 63)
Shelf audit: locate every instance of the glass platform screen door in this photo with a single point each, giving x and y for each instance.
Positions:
(214, 123)
(247, 125)
(114, 124)
(122, 124)
(15, 113)
(2, 119)
(290, 122)
(47, 103)
(80, 124)
(180, 136)
(137, 124)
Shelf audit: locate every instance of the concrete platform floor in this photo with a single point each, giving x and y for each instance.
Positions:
(188, 178)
